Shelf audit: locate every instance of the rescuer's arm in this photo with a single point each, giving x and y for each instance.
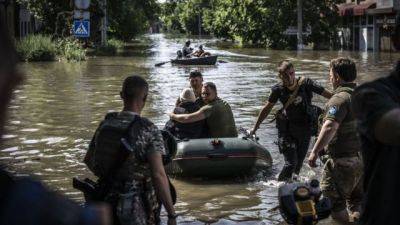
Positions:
(160, 180)
(188, 118)
(327, 94)
(261, 117)
(328, 131)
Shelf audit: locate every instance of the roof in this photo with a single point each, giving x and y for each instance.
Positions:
(350, 9)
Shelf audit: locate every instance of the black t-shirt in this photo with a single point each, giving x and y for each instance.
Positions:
(296, 112)
(381, 162)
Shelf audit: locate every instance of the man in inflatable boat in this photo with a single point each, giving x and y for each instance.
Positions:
(217, 113)
(196, 83)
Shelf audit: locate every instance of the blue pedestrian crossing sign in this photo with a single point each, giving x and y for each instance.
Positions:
(82, 28)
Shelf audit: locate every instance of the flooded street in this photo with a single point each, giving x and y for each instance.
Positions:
(54, 114)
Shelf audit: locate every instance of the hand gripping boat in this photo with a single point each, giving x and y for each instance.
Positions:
(223, 157)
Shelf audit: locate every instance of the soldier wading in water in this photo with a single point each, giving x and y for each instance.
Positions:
(341, 178)
(296, 121)
(136, 179)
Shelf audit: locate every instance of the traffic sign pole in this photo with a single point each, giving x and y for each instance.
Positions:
(104, 23)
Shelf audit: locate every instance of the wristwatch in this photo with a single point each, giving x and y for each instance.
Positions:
(172, 216)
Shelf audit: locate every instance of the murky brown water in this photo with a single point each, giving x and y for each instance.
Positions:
(56, 111)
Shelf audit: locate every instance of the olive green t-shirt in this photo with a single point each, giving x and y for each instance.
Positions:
(219, 118)
(338, 109)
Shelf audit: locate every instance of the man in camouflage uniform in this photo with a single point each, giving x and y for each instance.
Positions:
(341, 178)
(138, 181)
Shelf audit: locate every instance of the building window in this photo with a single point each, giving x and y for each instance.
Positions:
(370, 20)
(363, 20)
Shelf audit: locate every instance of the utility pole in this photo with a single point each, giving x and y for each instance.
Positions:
(300, 25)
(104, 23)
(199, 25)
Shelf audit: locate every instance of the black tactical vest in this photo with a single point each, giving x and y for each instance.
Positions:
(111, 143)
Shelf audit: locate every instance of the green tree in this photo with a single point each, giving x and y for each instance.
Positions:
(259, 22)
(126, 18)
(47, 11)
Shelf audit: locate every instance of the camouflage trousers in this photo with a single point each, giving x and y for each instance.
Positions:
(342, 183)
(135, 204)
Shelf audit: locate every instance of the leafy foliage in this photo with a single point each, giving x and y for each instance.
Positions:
(112, 47)
(71, 49)
(36, 48)
(259, 22)
(126, 18)
(43, 48)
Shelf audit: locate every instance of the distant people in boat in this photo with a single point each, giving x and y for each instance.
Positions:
(196, 83)
(179, 54)
(187, 50)
(187, 105)
(217, 113)
(200, 52)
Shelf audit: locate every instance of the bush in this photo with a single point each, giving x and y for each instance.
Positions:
(36, 48)
(71, 50)
(112, 47)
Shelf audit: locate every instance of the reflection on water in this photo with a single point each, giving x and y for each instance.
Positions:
(55, 112)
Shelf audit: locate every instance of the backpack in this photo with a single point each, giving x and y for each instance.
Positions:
(112, 143)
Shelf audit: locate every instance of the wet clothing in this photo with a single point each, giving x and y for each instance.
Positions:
(341, 180)
(297, 111)
(132, 191)
(186, 130)
(294, 148)
(294, 142)
(219, 119)
(381, 161)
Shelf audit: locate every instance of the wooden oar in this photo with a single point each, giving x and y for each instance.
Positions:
(162, 63)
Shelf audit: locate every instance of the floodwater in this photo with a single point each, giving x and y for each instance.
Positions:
(55, 112)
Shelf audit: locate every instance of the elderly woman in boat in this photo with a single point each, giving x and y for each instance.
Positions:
(217, 114)
(186, 104)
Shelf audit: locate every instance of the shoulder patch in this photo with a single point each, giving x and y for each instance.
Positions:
(332, 110)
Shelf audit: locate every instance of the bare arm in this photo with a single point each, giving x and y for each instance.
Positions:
(327, 94)
(263, 114)
(188, 118)
(328, 131)
(161, 181)
(387, 129)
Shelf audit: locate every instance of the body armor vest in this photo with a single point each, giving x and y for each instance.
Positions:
(112, 143)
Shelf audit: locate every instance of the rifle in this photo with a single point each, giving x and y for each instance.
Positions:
(87, 187)
(96, 191)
